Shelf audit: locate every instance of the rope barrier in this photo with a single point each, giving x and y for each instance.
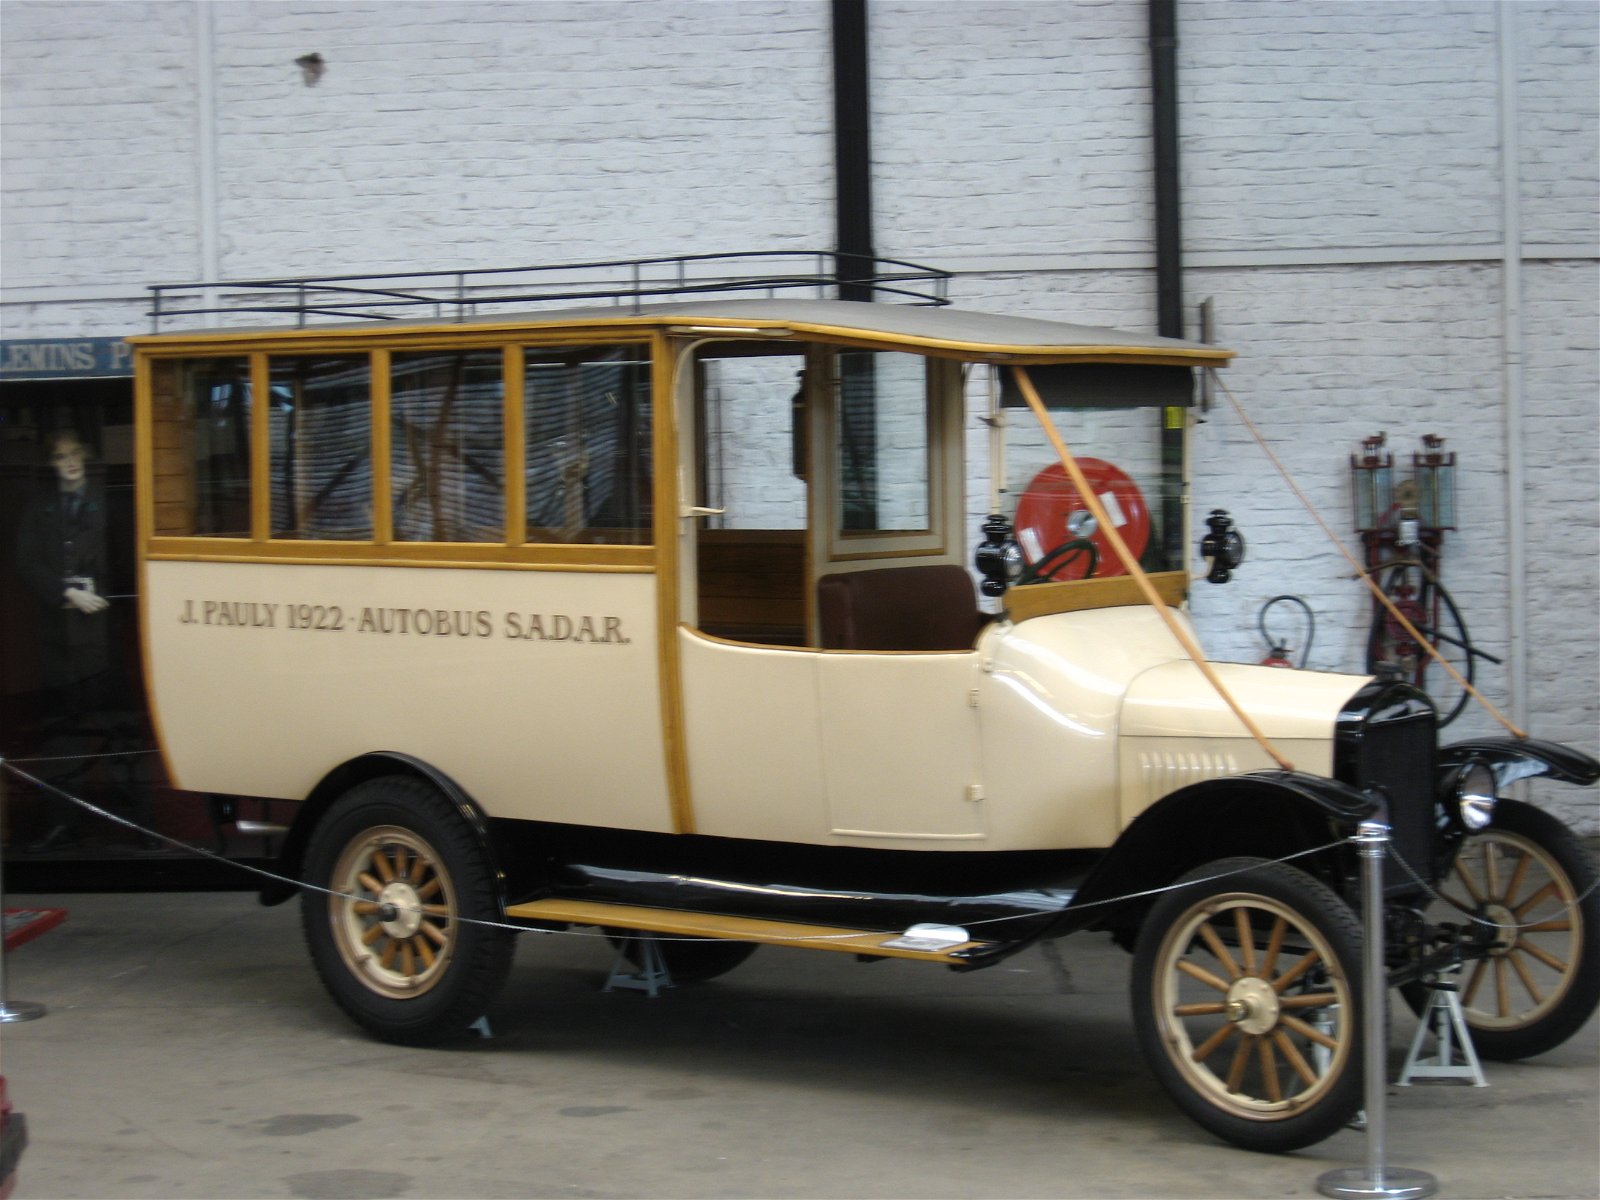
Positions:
(1125, 898)
(1428, 889)
(274, 877)
(1371, 840)
(46, 758)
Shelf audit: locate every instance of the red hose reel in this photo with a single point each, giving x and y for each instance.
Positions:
(1051, 514)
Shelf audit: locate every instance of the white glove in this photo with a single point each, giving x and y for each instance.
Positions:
(86, 601)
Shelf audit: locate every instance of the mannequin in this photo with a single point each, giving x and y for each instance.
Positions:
(61, 558)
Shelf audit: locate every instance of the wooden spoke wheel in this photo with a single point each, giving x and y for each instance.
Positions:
(1246, 1000)
(1530, 882)
(398, 934)
(396, 926)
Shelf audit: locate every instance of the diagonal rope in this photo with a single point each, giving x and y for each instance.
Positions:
(1131, 564)
(1361, 572)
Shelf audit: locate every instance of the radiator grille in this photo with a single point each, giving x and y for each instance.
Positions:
(1393, 746)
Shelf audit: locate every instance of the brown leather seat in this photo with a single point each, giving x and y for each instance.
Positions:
(899, 608)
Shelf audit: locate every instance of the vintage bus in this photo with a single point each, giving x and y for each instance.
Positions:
(653, 615)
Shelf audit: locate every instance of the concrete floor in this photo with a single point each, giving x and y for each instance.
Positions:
(190, 1052)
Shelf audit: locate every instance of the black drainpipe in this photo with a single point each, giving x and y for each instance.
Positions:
(852, 149)
(1169, 233)
(1164, 105)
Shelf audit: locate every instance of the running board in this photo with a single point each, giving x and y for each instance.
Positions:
(745, 929)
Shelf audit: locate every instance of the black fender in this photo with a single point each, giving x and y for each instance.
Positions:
(1270, 814)
(291, 858)
(1512, 759)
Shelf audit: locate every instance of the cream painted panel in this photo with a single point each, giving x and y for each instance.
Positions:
(566, 727)
(1176, 729)
(754, 741)
(900, 742)
(1153, 767)
(1176, 701)
(1051, 696)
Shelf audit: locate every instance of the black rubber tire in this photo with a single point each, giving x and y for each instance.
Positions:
(447, 971)
(1262, 1098)
(1509, 1020)
(689, 961)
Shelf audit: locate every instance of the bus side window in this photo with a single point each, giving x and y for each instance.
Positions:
(321, 457)
(884, 459)
(587, 466)
(447, 453)
(201, 432)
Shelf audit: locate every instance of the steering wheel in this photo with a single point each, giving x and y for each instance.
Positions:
(1062, 558)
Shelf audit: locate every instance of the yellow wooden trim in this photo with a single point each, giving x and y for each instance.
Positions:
(514, 402)
(534, 325)
(339, 339)
(144, 517)
(1043, 599)
(143, 451)
(632, 559)
(381, 392)
(935, 552)
(664, 406)
(739, 929)
(260, 448)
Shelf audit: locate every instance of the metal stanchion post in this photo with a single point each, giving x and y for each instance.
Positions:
(11, 1011)
(1375, 1181)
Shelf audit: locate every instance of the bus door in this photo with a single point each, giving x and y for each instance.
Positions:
(808, 464)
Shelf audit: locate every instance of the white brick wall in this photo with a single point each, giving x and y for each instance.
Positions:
(1338, 124)
(1342, 202)
(1562, 383)
(488, 134)
(98, 155)
(1010, 128)
(1558, 97)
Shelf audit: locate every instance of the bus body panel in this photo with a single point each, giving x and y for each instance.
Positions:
(537, 691)
(832, 748)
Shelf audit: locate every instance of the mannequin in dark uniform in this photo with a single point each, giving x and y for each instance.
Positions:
(61, 558)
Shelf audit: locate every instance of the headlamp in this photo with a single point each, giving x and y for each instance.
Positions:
(999, 559)
(1475, 795)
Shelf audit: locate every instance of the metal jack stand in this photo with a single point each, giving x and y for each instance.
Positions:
(12, 1011)
(1375, 1181)
(1443, 1015)
(652, 974)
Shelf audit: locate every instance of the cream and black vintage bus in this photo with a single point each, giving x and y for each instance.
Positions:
(651, 613)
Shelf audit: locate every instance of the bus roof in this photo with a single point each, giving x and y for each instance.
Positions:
(943, 331)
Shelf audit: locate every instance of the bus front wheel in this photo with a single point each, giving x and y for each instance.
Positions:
(397, 881)
(1246, 994)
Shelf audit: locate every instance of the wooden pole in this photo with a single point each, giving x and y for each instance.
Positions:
(1131, 565)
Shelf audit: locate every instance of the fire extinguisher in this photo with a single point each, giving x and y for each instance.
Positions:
(1278, 648)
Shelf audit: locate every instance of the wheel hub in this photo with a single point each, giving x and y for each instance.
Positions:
(1252, 1005)
(400, 909)
(1505, 931)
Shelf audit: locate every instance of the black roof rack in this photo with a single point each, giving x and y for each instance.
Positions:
(461, 295)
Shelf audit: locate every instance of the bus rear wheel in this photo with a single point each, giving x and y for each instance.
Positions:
(395, 872)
